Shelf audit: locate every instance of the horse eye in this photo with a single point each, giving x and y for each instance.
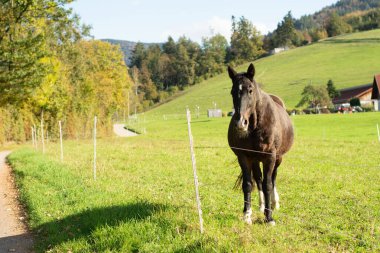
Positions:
(250, 91)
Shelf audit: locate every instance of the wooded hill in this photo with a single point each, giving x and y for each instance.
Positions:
(159, 71)
(348, 60)
(128, 46)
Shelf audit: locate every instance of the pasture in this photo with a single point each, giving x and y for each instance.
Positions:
(143, 198)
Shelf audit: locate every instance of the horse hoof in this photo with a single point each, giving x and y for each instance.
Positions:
(248, 220)
(271, 223)
(247, 217)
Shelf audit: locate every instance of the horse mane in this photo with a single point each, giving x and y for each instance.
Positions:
(277, 100)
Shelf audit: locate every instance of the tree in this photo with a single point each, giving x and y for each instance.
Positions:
(332, 91)
(355, 102)
(336, 25)
(285, 32)
(138, 55)
(314, 96)
(212, 59)
(246, 41)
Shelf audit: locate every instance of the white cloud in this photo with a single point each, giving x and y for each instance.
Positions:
(208, 28)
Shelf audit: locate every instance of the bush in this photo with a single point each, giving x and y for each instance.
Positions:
(355, 102)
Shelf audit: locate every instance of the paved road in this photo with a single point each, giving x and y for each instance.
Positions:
(119, 130)
(14, 236)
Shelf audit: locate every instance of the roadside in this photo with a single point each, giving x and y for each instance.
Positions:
(120, 131)
(14, 235)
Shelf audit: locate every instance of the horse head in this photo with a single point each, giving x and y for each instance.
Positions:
(246, 95)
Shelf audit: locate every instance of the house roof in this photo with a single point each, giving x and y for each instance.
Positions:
(352, 92)
(376, 87)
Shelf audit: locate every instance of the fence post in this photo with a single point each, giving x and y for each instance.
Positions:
(33, 137)
(42, 133)
(95, 119)
(194, 170)
(60, 139)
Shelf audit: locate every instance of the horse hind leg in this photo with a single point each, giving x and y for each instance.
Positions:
(257, 175)
(275, 198)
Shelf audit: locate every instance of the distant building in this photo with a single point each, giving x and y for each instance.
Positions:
(214, 113)
(278, 50)
(368, 94)
(363, 92)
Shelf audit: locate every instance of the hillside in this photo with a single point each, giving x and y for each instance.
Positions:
(127, 47)
(348, 60)
(342, 8)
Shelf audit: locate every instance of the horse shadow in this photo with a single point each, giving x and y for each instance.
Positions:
(82, 224)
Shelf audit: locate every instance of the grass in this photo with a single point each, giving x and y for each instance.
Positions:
(348, 60)
(143, 198)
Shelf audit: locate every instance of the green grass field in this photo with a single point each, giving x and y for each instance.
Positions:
(348, 60)
(143, 198)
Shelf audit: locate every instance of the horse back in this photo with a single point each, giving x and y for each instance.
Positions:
(277, 100)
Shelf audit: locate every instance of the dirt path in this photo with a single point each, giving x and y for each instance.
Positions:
(119, 130)
(14, 236)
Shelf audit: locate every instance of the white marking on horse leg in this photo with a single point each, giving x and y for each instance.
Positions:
(275, 199)
(261, 201)
(247, 217)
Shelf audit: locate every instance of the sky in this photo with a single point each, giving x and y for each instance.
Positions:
(154, 21)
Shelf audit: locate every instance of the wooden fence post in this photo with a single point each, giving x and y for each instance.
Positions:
(194, 170)
(60, 139)
(35, 136)
(34, 146)
(42, 133)
(95, 119)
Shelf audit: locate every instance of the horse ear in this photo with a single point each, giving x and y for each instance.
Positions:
(231, 72)
(251, 72)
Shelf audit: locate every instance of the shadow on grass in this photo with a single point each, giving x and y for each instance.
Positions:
(82, 224)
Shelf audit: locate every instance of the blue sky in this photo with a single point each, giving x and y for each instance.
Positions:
(154, 21)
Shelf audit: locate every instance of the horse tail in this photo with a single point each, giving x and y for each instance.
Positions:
(239, 181)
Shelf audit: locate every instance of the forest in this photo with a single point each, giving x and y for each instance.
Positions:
(51, 70)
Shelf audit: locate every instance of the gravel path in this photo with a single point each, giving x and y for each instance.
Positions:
(14, 236)
(119, 130)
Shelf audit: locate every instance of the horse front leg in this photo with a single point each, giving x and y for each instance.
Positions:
(257, 175)
(246, 166)
(268, 168)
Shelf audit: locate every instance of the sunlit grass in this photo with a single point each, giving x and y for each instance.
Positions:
(143, 198)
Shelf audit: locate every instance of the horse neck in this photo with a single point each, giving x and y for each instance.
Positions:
(261, 109)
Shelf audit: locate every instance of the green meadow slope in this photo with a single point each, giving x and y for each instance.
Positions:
(348, 60)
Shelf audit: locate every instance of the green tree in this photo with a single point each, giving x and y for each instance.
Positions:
(213, 56)
(336, 25)
(285, 32)
(138, 55)
(331, 90)
(246, 41)
(314, 96)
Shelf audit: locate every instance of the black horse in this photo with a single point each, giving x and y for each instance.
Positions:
(259, 131)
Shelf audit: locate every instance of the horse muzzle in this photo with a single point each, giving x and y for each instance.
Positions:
(242, 124)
